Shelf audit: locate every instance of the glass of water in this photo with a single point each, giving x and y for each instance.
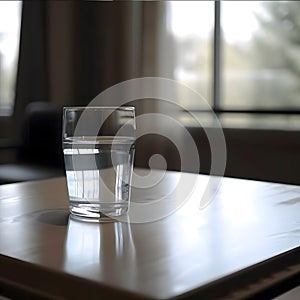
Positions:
(99, 145)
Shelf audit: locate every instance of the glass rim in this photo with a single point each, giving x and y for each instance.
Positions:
(124, 108)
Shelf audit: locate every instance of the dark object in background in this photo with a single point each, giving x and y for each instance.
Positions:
(39, 155)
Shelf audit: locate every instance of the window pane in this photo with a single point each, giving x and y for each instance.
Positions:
(191, 24)
(261, 54)
(10, 20)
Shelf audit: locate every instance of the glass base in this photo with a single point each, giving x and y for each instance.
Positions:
(103, 212)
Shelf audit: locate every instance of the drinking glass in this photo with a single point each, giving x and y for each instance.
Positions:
(98, 146)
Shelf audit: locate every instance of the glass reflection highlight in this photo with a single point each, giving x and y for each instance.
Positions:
(99, 250)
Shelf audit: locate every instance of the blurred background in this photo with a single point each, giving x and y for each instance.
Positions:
(243, 57)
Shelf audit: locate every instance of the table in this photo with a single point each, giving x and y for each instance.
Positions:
(230, 248)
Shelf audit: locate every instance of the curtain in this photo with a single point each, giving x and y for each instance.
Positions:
(91, 47)
(96, 44)
(32, 76)
(70, 51)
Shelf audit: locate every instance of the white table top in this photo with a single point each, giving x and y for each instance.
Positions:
(43, 250)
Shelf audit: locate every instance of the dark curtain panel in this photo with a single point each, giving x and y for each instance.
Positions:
(72, 50)
(96, 44)
(104, 37)
(32, 76)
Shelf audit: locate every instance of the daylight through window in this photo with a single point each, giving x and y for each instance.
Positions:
(259, 63)
(10, 22)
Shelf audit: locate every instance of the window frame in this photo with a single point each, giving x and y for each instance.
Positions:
(217, 75)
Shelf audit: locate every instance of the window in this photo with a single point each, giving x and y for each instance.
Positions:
(10, 21)
(242, 56)
(192, 27)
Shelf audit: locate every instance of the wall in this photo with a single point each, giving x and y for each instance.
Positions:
(269, 155)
